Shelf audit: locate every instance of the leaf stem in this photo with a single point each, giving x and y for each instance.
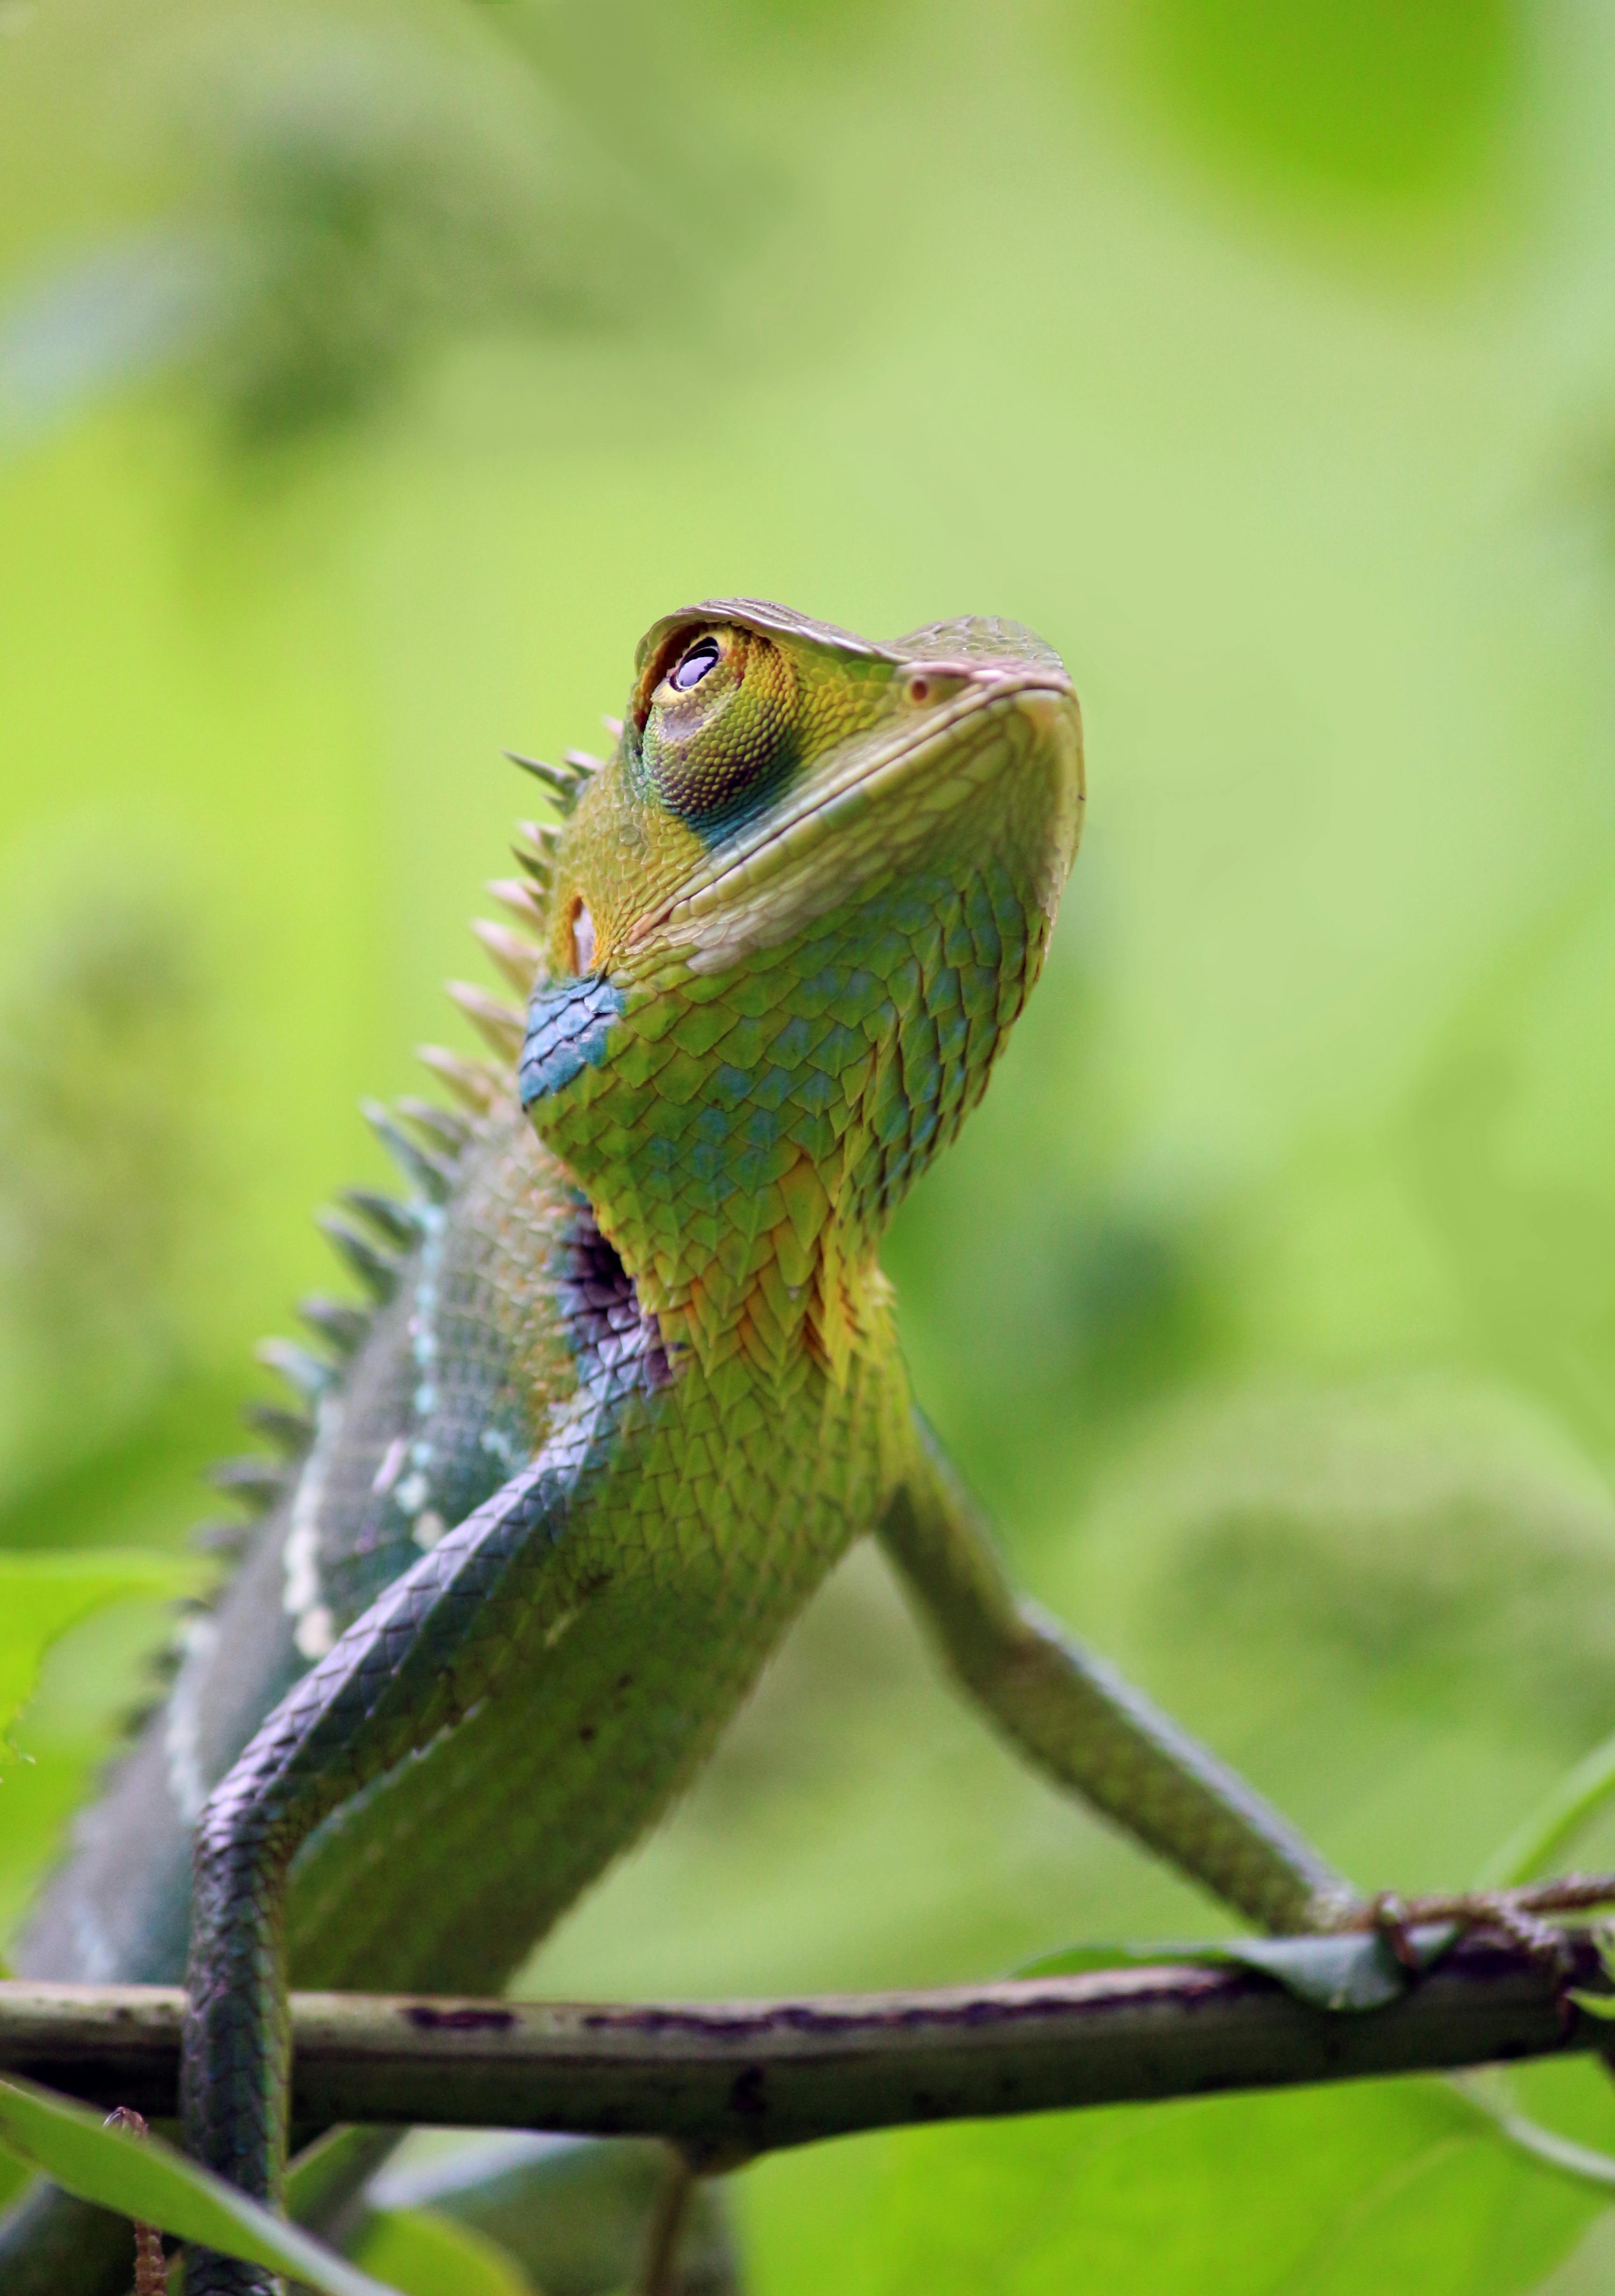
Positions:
(668, 2222)
(1567, 1807)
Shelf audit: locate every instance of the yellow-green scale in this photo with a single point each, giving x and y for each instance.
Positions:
(709, 1510)
(748, 1213)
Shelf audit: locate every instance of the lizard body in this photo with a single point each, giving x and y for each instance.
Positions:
(633, 1385)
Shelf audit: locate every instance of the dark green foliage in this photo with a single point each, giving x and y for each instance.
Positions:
(1385, 99)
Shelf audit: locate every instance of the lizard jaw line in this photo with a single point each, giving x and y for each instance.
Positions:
(809, 823)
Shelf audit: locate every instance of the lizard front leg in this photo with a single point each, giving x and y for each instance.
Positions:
(1080, 1721)
(427, 1651)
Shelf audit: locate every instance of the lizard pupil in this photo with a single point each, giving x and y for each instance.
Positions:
(689, 672)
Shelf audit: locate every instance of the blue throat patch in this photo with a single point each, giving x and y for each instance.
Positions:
(568, 1023)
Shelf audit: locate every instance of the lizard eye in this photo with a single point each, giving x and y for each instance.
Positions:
(716, 735)
(702, 656)
(706, 651)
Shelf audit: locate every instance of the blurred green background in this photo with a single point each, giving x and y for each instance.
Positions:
(370, 375)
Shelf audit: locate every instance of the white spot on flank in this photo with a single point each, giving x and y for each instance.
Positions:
(182, 1728)
(392, 1467)
(511, 1456)
(315, 1632)
(422, 1329)
(316, 1627)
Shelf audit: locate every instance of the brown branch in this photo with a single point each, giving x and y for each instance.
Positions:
(727, 2079)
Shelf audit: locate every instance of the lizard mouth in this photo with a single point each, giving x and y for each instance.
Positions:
(856, 805)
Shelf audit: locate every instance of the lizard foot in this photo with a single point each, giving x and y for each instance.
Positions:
(1519, 1914)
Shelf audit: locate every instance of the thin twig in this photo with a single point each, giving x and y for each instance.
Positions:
(724, 2081)
(151, 2265)
(1568, 1893)
(666, 2223)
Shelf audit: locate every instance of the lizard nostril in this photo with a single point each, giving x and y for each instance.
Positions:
(919, 689)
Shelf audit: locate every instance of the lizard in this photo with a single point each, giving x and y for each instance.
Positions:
(629, 1385)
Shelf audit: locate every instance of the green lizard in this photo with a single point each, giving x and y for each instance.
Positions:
(631, 1386)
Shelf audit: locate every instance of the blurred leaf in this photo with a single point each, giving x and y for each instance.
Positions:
(1600, 2004)
(111, 1608)
(1399, 2187)
(1506, 1140)
(42, 1596)
(1343, 1973)
(1542, 1837)
(360, 200)
(101, 1009)
(91, 325)
(1596, 2005)
(383, 197)
(1398, 97)
(1082, 1301)
(1080, 1960)
(143, 2177)
(425, 2254)
(574, 2214)
(141, 1484)
(816, 25)
(1354, 1971)
(1435, 1532)
(1489, 2087)
(106, 1139)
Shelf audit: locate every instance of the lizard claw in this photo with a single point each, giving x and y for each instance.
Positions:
(1387, 1915)
(1516, 1914)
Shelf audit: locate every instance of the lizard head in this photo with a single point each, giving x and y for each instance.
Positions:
(789, 926)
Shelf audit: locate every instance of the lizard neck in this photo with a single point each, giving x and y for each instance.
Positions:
(745, 1133)
(772, 1275)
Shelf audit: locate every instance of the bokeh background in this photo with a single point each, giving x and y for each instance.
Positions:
(370, 375)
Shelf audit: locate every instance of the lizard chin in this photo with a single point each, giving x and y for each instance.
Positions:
(870, 812)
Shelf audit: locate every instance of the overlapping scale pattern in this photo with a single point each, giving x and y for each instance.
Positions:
(631, 1385)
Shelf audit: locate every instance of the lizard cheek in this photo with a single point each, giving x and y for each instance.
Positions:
(583, 939)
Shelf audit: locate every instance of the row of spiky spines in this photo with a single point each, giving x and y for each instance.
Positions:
(427, 1154)
(372, 1234)
(373, 1244)
(515, 955)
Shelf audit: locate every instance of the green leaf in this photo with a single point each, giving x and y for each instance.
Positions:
(1353, 1972)
(43, 1595)
(1542, 1836)
(143, 2177)
(1079, 1960)
(1491, 2090)
(426, 2254)
(1357, 1971)
(1596, 2005)
(1394, 2186)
